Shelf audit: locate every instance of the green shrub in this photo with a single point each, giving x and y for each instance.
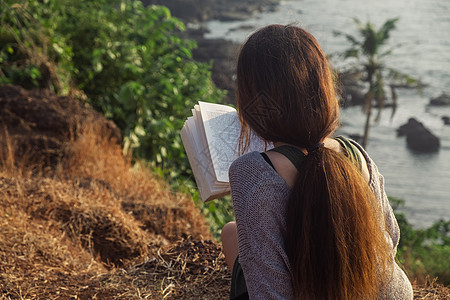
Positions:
(128, 59)
(31, 55)
(137, 71)
(130, 63)
(423, 252)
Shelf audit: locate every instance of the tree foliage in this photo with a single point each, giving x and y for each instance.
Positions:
(368, 48)
(126, 58)
(30, 55)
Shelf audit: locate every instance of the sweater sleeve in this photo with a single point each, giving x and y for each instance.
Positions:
(258, 198)
(377, 185)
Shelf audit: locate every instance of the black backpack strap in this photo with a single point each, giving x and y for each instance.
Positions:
(267, 159)
(295, 155)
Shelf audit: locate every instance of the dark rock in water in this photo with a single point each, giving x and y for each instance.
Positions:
(351, 77)
(243, 27)
(418, 137)
(353, 89)
(423, 141)
(442, 100)
(233, 16)
(353, 95)
(39, 124)
(409, 127)
(224, 55)
(446, 120)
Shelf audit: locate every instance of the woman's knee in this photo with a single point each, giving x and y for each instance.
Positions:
(229, 231)
(230, 243)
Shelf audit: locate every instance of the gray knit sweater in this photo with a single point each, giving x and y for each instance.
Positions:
(260, 201)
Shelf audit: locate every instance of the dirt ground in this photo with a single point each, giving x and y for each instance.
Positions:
(79, 221)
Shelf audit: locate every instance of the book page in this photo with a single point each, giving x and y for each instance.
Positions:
(211, 138)
(189, 136)
(222, 130)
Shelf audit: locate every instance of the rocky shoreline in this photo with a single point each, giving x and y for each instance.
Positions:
(194, 11)
(222, 52)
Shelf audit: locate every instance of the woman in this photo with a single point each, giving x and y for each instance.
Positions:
(312, 218)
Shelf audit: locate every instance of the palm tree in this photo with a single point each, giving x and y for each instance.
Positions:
(367, 49)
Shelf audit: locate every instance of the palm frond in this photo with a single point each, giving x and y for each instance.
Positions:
(358, 23)
(385, 30)
(353, 40)
(353, 52)
(402, 80)
(370, 44)
(389, 51)
(367, 47)
(368, 98)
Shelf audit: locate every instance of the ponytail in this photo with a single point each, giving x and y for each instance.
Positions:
(335, 234)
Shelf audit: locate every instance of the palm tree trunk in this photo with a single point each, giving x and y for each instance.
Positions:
(368, 102)
(367, 125)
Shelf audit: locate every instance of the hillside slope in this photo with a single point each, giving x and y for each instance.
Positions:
(79, 221)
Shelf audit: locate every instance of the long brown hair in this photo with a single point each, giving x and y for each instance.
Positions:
(335, 231)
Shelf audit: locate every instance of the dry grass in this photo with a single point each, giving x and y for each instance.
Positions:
(95, 227)
(431, 290)
(79, 229)
(189, 270)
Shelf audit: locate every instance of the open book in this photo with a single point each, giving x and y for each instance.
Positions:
(210, 138)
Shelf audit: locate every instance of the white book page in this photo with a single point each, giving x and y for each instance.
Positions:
(211, 139)
(222, 130)
(202, 159)
(189, 135)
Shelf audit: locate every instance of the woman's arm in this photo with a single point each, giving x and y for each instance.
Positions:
(259, 201)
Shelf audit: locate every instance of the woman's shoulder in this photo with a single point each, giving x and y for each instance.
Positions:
(249, 163)
(251, 171)
(253, 166)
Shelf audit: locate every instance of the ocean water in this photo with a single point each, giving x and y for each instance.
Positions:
(421, 43)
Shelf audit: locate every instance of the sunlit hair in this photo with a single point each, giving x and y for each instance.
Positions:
(335, 231)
